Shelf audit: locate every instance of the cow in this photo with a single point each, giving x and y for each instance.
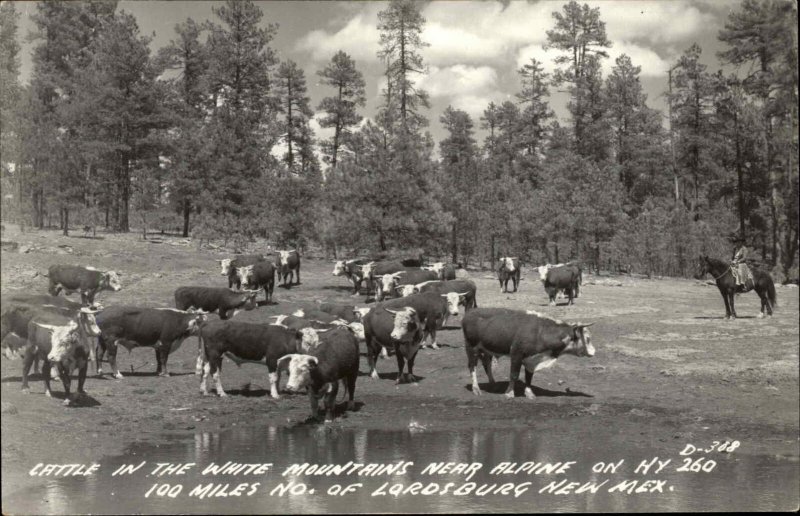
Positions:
(543, 269)
(336, 358)
(257, 276)
(298, 322)
(465, 289)
(224, 301)
(288, 262)
(433, 310)
(346, 312)
(373, 270)
(21, 308)
(86, 280)
(402, 329)
(567, 278)
(352, 270)
(529, 339)
(509, 270)
(163, 329)
(385, 285)
(247, 342)
(56, 340)
(229, 266)
(444, 271)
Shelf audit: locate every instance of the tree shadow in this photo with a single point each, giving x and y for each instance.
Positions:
(338, 288)
(722, 317)
(519, 390)
(88, 237)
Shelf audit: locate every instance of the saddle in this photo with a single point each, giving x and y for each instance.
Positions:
(742, 276)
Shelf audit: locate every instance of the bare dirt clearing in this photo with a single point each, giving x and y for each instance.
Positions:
(668, 366)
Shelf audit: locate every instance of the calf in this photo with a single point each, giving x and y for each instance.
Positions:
(288, 262)
(402, 329)
(336, 358)
(19, 311)
(529, 339)
(565, 278)
(229, 266)
(163, 329)
(56, 340)
(246, 342)
(509, 270)
(257, 276)
(352, 270)
(386, 284)
(86, 280)
(215, 299)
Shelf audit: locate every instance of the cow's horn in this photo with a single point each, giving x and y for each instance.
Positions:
(581, 325)
(320, 330)
(88, 310)
(391, 311)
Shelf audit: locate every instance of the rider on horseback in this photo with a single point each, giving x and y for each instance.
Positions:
(741, 273)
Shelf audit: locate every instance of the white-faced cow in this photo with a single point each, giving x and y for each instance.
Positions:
(509, 270)
(433, 310)
(163, 329)
(373, 270)
(567, 278)
(288, 263)
(86, 280)
(444, 271)
(336, 358)
(229, 266)
(298, 322)
(386, 285)
(465, 290)
(246, 342)
(257, 276)
(530, 340)
(215, 299)
(400, 329)
(346, 312)
(544, 269)
(21, 308)
(352, 270)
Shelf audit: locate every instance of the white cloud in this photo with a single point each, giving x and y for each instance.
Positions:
(358, 37)
(458, 80)
(654, 22)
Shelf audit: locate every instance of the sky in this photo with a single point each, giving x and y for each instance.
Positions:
(476, 47)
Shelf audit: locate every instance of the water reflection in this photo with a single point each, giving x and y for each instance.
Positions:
(739, 482)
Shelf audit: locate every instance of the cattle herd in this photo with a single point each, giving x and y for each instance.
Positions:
(317, 345)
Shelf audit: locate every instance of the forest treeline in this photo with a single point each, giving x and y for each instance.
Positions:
(211, 135)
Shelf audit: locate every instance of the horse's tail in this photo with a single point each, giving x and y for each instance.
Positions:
(773, 297)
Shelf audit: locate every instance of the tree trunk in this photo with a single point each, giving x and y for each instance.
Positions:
(65, 218)
(187, 209)
(491, 252)
(454, 244)
(740, 177)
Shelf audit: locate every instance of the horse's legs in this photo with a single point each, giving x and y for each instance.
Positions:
(727, 305)
(731, 297)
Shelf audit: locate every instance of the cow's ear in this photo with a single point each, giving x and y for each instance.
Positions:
(283, 362)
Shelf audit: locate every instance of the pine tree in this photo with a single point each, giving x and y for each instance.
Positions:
(291, 90)
(537, 112)
(342, 75)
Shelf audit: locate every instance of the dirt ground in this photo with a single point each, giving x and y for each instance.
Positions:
(668, 366)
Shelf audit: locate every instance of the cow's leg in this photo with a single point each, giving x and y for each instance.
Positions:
(313, 399)
(401, 363)
(54, 289)
(36, 364)
(410, 376)
(570, 293)
(330, 400)
(472, 362)
(112, 359)
(63, 373)
(487, 361)
(99, 352)
(82, 378)
(27, 362)
(372, 356)
(298, 274)
(217, 380)
(274, 383)
(528, 390)
(205, 374)
(46, 377)
(200, 362)
(350, 383)
(516, 365)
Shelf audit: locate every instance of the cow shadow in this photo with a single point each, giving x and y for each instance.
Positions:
(259, 304)
(519, 390)
(338, 288)
(722, 318)
(82, 401)
(136, 374)
(246, 392)
(392, 376)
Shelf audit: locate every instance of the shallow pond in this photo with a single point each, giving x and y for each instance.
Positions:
(736, 481)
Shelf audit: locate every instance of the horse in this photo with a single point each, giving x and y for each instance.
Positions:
(721, 271)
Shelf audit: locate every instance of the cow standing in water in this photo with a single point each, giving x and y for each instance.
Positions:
(288, 263)
(528, 339)
(509, 270)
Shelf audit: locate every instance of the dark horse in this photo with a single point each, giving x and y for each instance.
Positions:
(721, 271)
